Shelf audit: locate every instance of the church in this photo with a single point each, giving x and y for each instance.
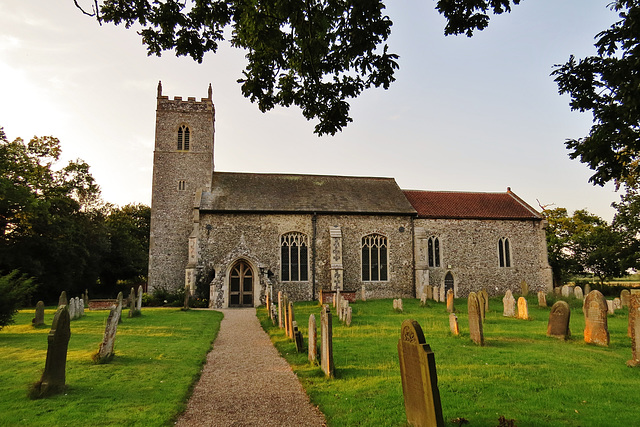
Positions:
(239, 234)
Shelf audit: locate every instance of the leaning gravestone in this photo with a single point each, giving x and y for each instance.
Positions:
(139, 300)
(524, 288)
(326, 342)
(419, 377)
(453, 324)
(509, 303)
(475, 319)
(54, 375)
(297, 337)
(577, 292)
(450, 307)
(63, 299)
(634, 329)
(313, 339)
(105, 351)
(523, 309)
(595, 318)
(290, 319)
(624, 297)
(559, 320)
(38, 320)
(542, 299)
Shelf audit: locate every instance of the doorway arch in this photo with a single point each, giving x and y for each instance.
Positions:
(449, 283)
(241, 284)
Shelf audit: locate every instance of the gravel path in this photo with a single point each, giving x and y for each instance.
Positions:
(245, 382)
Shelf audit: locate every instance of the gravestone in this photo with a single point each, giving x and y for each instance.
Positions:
(336, 299)
(38, 320)
(485, 299)
(81, 306)
(419, 377)
(119, 304)
(364, 294)
(587, 289)
(624, 297)
(429, 292)
(78, 308)
(290, 319)
(523, 309)
(610, 308)
(453, 324)
(577, 292)
(86, 298)
(559, 317)
(185, 306)
(280, 308)
(524, 288)
(443, 298)
(634, 329)
(54, 376)
(436, 294)
(105, 351)
(132, 301)
(72, 309)
(285, 316)
(63, 299)
(596, 330)
(297, 337)
(313, 339)
(348, 316)
(450, 307)
(326, 342)
(509, 303)
(475, 319)
(566, 291)
(557, 291)
(481, 304)
(139, 301)
(542, 299)
(423, 299)
(397, 305)
(617, 304)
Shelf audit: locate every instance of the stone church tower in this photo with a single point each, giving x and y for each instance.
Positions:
(182, 169)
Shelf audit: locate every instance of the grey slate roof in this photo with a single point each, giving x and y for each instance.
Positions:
(253, 192)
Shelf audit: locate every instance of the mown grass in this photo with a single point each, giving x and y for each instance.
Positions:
(520, 373)
(158, 358)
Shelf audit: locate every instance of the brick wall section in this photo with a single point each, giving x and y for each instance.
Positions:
(470, 247)
(171, 208)
(225, 238)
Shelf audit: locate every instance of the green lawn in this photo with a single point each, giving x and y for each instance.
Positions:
(520, 373)
(158, 357)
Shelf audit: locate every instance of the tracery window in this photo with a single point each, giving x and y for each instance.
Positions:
(374, 258)
(504, 252)
(294, 257)
(433, 245)
(183, 138)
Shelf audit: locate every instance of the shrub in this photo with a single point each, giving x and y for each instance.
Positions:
(15, 289)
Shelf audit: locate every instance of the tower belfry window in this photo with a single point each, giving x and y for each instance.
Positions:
(183, 138)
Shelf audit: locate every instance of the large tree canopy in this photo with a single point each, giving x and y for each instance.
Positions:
(315, 54)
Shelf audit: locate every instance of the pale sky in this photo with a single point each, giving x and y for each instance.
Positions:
(465, 114)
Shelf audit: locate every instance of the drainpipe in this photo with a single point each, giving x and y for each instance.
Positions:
(314, 222)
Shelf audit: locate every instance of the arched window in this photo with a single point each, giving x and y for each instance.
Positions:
(433, 245)
(374, 258)
(504, 252)
(183, 138)
(294, 264)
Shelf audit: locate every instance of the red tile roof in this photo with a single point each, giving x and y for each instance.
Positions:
(462, 205)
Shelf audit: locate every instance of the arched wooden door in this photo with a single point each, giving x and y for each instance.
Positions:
(241, 285)
(448, 282)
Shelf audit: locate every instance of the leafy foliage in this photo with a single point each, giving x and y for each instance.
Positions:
(15, 289)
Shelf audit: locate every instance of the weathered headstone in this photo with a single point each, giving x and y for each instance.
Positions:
(397, 305)
(577, 292)
(453, 324)
(436, 294)
(326, 342)
(423, 299)
(524, 288)
(285, 316)
(280, 323)
(54, 376)
(610, 307)
(596, 329)
(419, 377)
(185, 305)
(105, 351)
(450, 307)
(119, 305)
(313, 339)
(634, 329)
(132, 301)
(566, 291)
(38, 320)
(63, 299)
(482, 305)
(542, 299)
(363, 293)
(348, 316)
(559, 317)
(72, 309)
(509, 303)
(485, 299)
(82, 308)
(86, 298)
(297, 338)
(290, 319)
(429, 292)
(475, 319)
(557, 291)
(139, 301)
(617, 304)
(523, 308)
(443, 298)
(624, 297)
(587, 289)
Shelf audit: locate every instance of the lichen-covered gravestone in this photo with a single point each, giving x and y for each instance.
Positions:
(450, 307)
(475, 319)
(634, 328)
(611, 309)
(436, 293)
(363, 296)
(419, 377)
(509, 303)
(290, 319)
(566, 291)
(443, 297)
(453, 324)
(542, 299)
(617, 304)
(326, 342)
(72, 308)
(139, 300)
(429, 292)
(577, 292)
(596, 329)
(348, 316)
(624, 297)
(481, 304)
(559, 317)
(38, 320)
(524, 288)
(105, 351)
(523, 309)
(313, 339)
(63, 299)
(54, 375)
(397, 305)
(634, 305)
(423, 299)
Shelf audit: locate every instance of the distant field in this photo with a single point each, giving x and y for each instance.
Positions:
(158, 356)
(520, 374)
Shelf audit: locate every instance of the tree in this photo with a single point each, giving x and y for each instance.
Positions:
(315, 54)
(608, 85)
(15, 289)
